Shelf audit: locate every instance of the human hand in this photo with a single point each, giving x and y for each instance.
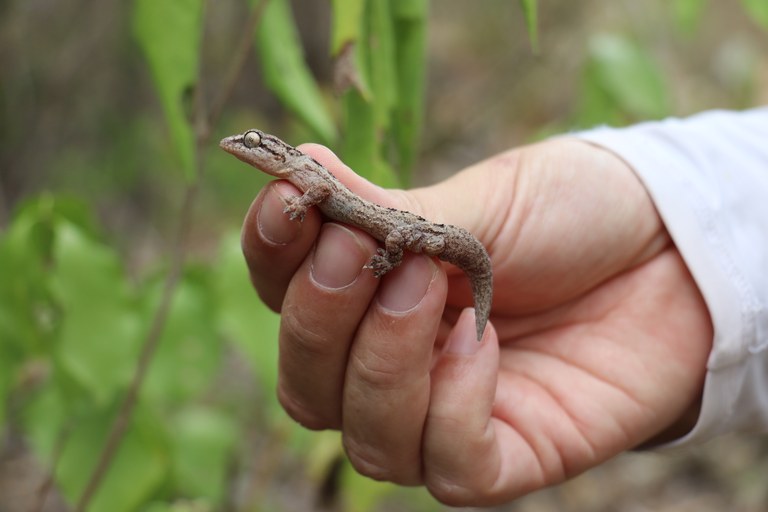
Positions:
(598, 342)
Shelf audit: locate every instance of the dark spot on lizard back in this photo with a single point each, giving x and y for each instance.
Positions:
(277, 154)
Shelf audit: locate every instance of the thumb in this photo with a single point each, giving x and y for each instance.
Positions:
(470, 199)
(353, 181)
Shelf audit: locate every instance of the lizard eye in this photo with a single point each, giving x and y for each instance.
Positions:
(251, 139)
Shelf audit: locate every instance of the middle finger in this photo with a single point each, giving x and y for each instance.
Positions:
(323, 305)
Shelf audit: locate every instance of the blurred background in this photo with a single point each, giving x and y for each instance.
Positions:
(95, 180)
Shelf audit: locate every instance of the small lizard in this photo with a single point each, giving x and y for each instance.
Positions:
(398, 229)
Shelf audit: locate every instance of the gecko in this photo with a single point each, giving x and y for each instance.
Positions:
(397, 229)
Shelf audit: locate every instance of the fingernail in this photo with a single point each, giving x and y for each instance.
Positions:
(339, 257)
(274, 225)
(463, 338)
(405, 287)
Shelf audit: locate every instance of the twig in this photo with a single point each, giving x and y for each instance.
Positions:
(58, 449)
(202, 124)
(148, 349)
(238, 61)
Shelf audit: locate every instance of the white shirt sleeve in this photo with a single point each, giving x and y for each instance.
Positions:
(708, 177)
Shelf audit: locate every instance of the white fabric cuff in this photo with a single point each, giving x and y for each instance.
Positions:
(708, 177)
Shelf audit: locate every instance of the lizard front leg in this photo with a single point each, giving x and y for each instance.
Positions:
(296, 207)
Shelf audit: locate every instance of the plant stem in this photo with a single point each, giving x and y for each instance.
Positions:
(238, 61)
(202, 126)
(119, 426)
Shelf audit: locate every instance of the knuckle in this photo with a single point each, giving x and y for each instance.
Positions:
(272, 300)
(304, 334)
(377, 371)
(306, 416)
(451, 493)
(480, 486)
(367, 461)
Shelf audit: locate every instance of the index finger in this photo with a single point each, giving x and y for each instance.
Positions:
(273, 245)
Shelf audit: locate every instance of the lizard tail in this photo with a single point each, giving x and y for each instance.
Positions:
(466, 252)
(482, 293)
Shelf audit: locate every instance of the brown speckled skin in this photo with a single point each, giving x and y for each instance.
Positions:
(396, 228)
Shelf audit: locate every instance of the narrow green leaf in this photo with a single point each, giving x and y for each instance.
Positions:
(346, 24)
(410, 26)
(414, 10)
(361, 145)
(169, 32)
(366, 116)
(285, 71)
(381, 60)
(627, 76)
(100, 329)
(530, 11)
(596, 106)
(758, 10)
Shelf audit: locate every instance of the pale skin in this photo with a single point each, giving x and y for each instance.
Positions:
(598, 335)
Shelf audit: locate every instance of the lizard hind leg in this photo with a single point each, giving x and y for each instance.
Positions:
(384, 261)
(388, 257)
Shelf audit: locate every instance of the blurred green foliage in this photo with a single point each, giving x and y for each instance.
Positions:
(73, 318)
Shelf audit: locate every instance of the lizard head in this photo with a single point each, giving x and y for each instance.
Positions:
(263, 151)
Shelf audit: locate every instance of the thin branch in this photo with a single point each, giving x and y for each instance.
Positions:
(237, 64)
(44, 490)
(202, 125)
(123, 417)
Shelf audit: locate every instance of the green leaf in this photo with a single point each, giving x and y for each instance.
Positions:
(346, 23)
(189, 353)
(415, 10)
(285, 71)
(410, 26)
(361, 145)
(169, 33)
(381, 63)
(140, 466)
(181, 505)
(7, 376)
(758, 10)
(203, 443)
(100, 329)
(244, 319)
(28, 314)
(367, 118)
(623, 82)
(530, 10)
(361, 493)
(688, 13)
